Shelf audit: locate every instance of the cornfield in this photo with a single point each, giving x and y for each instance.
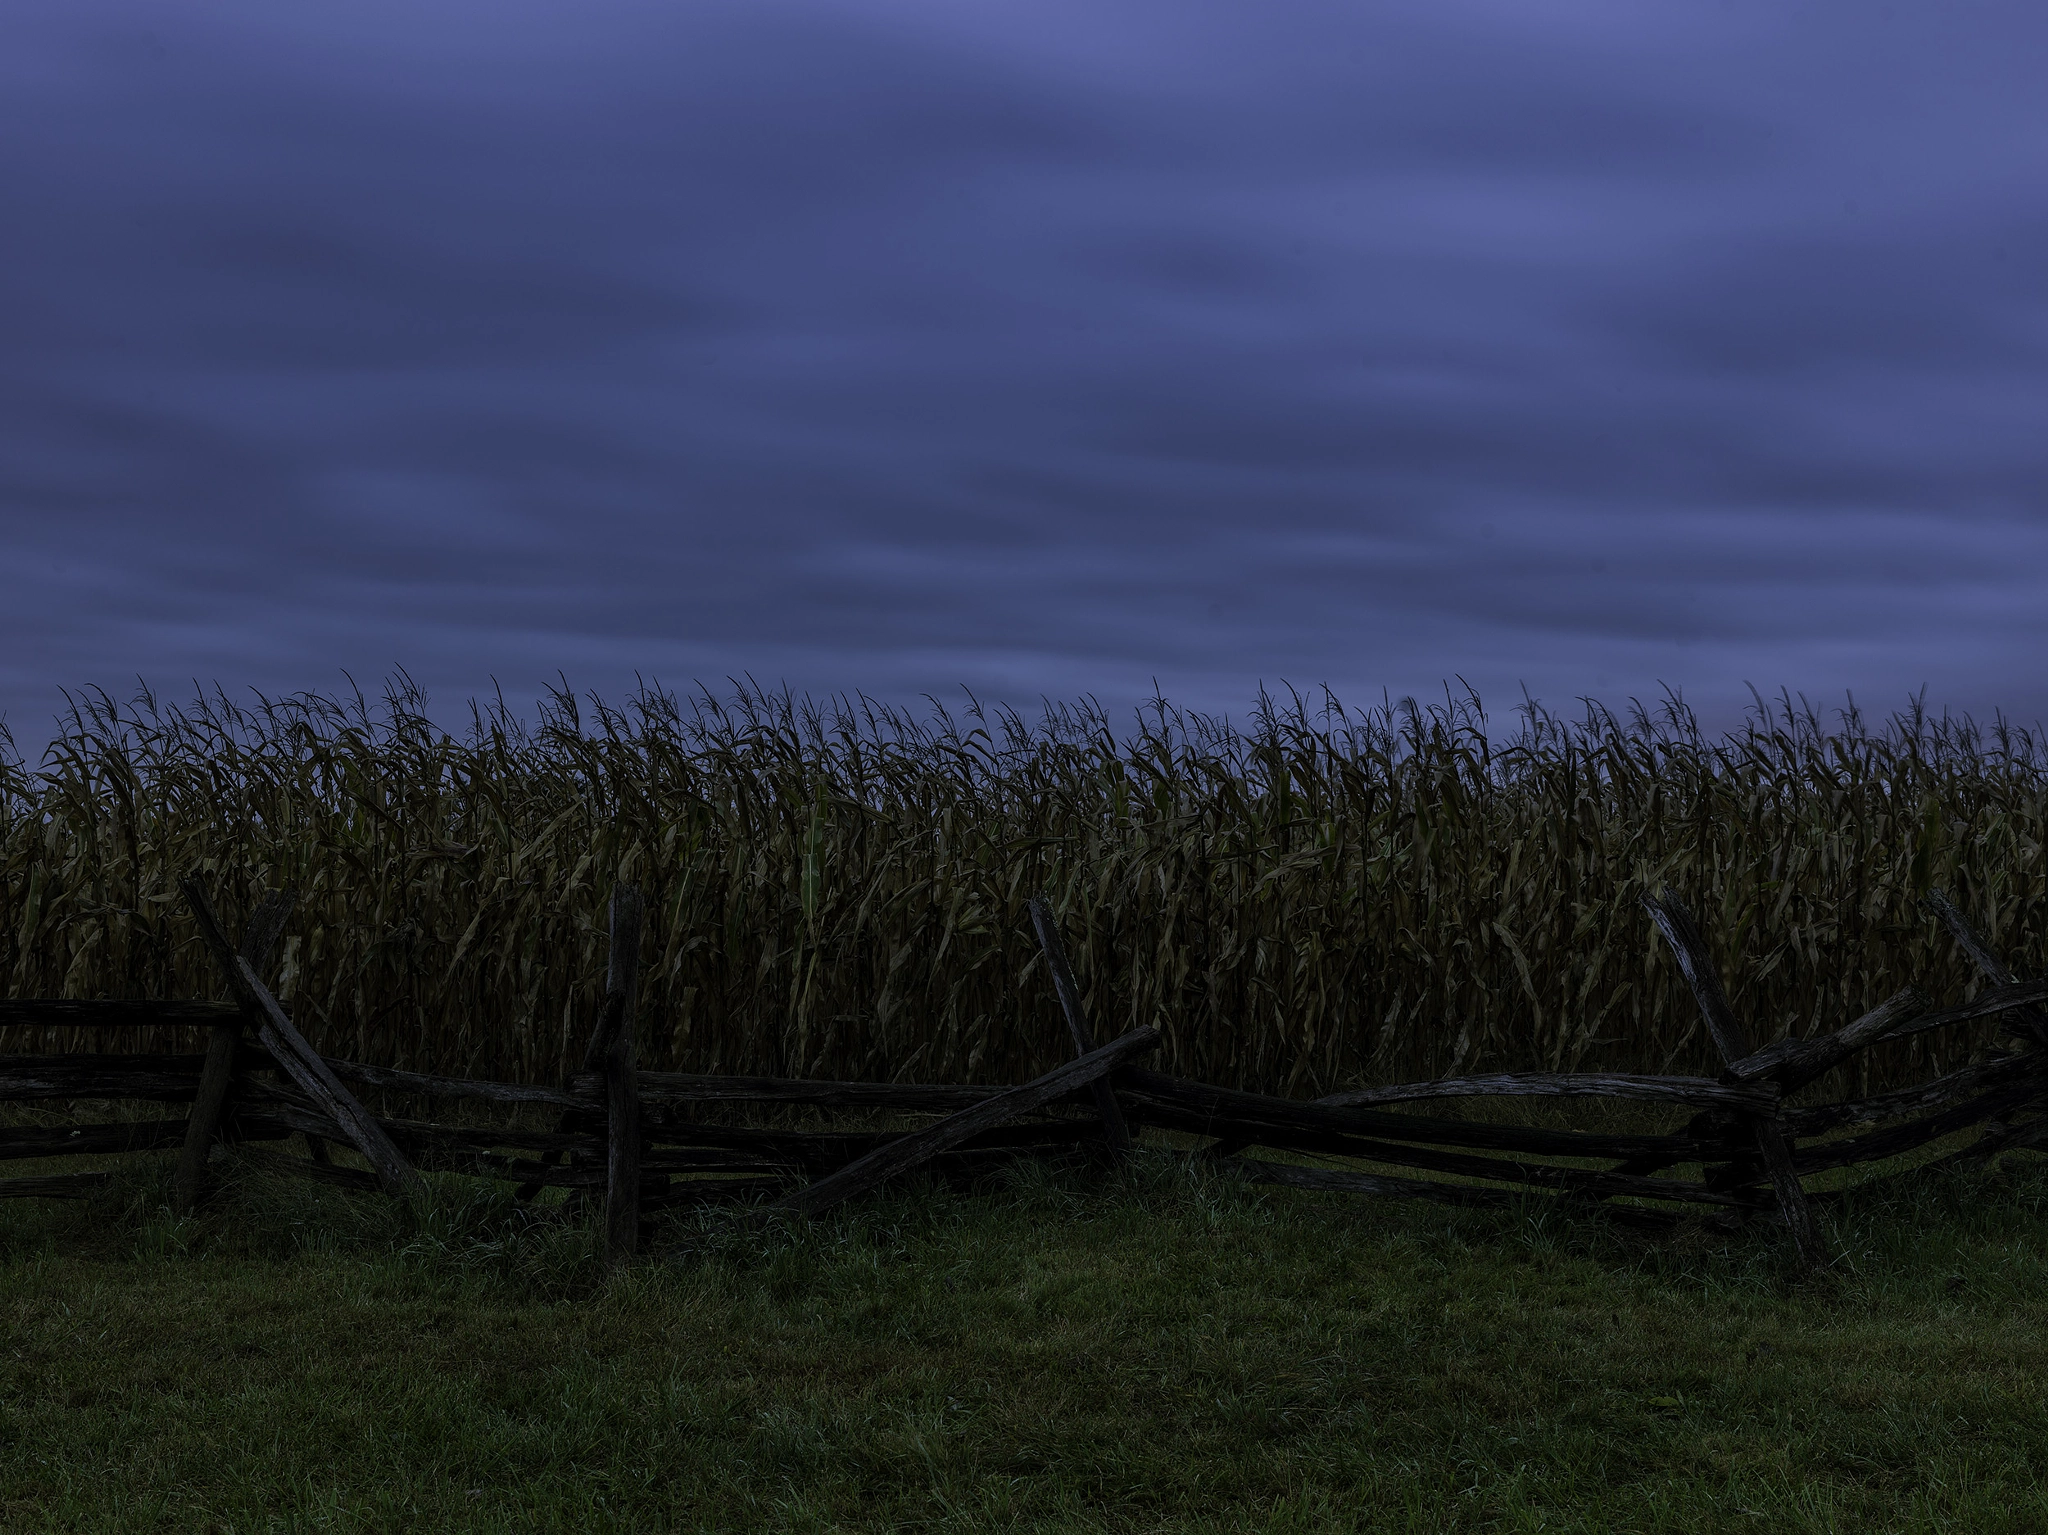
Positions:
(1317, 898)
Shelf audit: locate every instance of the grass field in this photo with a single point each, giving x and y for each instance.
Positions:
(1315, 900)
(1159, 1349)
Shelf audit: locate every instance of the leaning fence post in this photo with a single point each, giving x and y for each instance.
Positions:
(614, 1047)
(1679, 930)
(2031, 1022)
(298, 1059)
(259, 942)
(1114, 1130)
(901, 1153)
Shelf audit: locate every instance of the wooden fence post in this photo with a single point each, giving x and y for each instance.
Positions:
(1679, 930)
(621, 1089)
(298, 1059)
(2031, 1024)
(259, 942)
(1114, 1130)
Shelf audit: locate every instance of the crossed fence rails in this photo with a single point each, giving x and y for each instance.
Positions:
(637, 1142)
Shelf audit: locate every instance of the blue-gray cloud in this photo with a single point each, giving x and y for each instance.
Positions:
(895, 346)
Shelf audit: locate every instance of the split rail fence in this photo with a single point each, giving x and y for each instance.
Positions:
(636, 1142)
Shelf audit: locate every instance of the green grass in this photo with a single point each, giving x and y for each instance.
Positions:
(1153, 1350)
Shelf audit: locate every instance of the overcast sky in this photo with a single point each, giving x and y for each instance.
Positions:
(1045, 349)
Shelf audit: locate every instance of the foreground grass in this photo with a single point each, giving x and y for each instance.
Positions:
(1153, 1351)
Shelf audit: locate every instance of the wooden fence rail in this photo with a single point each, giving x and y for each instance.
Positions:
(633, 1142)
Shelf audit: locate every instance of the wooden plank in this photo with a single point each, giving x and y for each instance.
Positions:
(28, 1142)
(900, 1155)
(1675, 922)
(2030, 1022)
(1999, 1135)
(175, 1078)
(1114, 1130)
(1701, 1092)
(259, 943)
(1886, 1022)
(1877, 1145)
(622, 1098)
(817, 1153)
(217, 1076)
(428, 1086)
(1679, 930)
(159, 1078)
(550, 1175)
(298, 1059)
(1226, 1109)
(658, 1087)
(1961, 1083)
(280, 1104)
(305, 1066)
(1499, 1169)
(1986, 1004)
(448, 1156)
(124, 1013)
(473, 1150)
(1792, 1063)
(1698, 1091)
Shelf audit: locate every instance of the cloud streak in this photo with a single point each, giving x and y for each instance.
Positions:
(896, 347)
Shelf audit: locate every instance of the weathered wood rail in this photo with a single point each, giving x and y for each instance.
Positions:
(635, 1142)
